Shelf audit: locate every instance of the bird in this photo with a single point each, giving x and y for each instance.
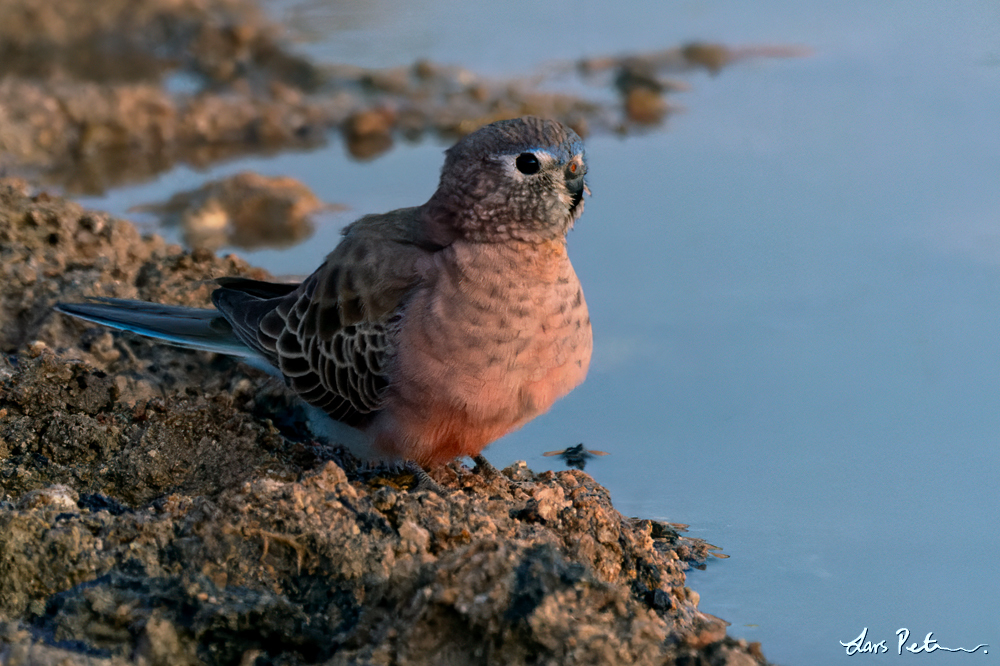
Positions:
(430, 331)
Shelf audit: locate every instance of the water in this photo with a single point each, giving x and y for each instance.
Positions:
(795, 291)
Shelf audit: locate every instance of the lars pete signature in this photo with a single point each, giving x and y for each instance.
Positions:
(861, 645)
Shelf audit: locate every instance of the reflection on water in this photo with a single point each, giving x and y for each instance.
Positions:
(795, 294)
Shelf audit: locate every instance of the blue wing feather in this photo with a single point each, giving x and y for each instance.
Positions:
(193, 328)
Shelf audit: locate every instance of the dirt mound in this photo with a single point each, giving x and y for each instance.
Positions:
(161, 506)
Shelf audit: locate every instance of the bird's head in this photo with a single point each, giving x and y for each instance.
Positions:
(520, 179)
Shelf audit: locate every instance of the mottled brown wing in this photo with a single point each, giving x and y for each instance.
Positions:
(333, 337)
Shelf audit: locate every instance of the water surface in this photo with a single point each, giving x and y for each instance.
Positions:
(795, 292)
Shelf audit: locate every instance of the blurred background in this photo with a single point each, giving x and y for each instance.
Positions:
(791, 257)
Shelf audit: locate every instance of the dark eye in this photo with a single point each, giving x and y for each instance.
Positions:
(527, 163)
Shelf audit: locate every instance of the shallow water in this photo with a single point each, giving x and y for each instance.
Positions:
(795, 291)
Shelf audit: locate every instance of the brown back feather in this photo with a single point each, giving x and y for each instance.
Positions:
(333, 336)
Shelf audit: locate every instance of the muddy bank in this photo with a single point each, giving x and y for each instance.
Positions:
(159, 506)
(97, 94)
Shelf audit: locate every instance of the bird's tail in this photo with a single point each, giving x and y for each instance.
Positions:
(193, 328)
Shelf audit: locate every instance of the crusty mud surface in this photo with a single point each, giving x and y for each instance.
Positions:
(160, 506)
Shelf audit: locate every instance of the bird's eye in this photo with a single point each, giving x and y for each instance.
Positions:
(527, 163)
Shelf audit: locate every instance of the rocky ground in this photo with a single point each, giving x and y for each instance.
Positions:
(160, 506)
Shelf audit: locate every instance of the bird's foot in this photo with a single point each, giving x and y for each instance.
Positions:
(486, 468)
(424, 480)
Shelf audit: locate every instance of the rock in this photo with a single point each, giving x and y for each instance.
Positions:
(369, 132)
(246, 210)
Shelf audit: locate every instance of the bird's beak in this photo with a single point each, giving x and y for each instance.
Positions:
(575, 172)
